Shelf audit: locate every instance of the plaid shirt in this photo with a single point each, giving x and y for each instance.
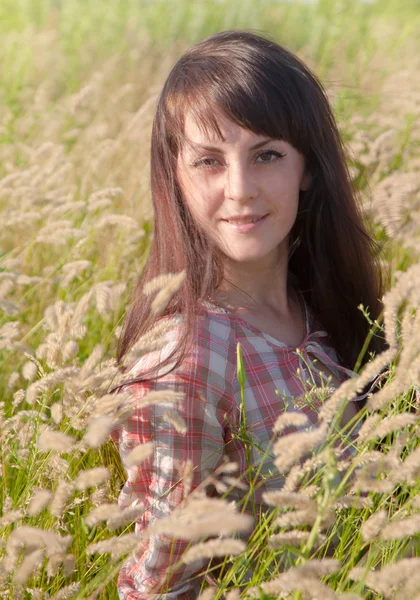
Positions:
(211, 409)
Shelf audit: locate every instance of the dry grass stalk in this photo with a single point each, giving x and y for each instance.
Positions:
(304, 579)
(288, 499)
(111, 405)
(111, 192)
(380, 475)
(39, 501)
(198, 518)
(411, 467)
(373, 526)
(235, 482)
(57, 413)
(297, 518)
(390, 579)
(291, 419)
(36, 593)
(98, 431)
(368, 427)
(388, 425)
(29, 370)
(176, 420)
(62, 494)
(187, 478)
(126, 517)
(91, 478)
(35, 537)
(288, 538)
(117, 546)
(161, 397)
(166, 292)
(401, 528)
(58, 560)
(233, 595)
(290, 449)
(207, 594)
(353, 501)
(54, 440)
(139, 454)
(318, 567)
(195, 529)
(10, 517)
(29, 564)
(152, 340)
(225, 547)
(351, 387)
(102, 513)
(67, 592)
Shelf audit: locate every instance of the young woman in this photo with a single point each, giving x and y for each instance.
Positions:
(252, 200)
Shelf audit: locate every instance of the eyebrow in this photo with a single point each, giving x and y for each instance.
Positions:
(216, 149)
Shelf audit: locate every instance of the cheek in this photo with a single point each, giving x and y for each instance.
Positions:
(199, 206)
(285, 185)
(201, 198)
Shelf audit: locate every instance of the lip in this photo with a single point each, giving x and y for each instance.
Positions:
(245, 227)
(238, 219)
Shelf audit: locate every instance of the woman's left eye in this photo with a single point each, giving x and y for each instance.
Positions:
(269, 156)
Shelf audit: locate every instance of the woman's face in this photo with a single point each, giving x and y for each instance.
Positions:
(227, 183)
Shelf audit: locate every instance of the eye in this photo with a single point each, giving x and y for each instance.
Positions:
(269, 156)
(207, 162)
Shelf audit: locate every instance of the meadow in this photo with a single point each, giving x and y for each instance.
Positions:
(78, 87)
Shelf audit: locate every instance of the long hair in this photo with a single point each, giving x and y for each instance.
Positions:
(266, 89)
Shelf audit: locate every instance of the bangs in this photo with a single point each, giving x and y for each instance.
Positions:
(240, 92)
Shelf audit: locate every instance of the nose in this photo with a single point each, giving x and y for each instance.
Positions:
(240, 183)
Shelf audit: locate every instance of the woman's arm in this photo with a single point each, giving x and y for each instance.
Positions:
(158, 486)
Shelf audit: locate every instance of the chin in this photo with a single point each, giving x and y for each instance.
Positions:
(249, 257)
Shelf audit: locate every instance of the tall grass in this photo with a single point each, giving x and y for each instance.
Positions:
(78, 86)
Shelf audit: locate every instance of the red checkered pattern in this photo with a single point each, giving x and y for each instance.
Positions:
(211, 410)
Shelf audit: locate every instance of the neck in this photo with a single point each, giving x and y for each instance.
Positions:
(255, 286)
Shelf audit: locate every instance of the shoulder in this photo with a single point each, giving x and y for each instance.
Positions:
(215, 331)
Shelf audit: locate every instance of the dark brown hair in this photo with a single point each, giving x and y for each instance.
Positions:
(264, 88)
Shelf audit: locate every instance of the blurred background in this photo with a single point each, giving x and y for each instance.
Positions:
(79, 81)
(78, 86)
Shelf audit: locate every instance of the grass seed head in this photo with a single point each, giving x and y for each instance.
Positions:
(62, 494)
(126, 517)
(98, 431)
(39, 501)
(225, 547)
(291, 448)
(176, 420)
(139, 454)
(30, 563)
(54, 440)
(401, 528)
(91, 478)
(67, 592)
(102, 513)
(296, 419)
(117, 546)
(10, 517)
(373, 526)
(207, 594)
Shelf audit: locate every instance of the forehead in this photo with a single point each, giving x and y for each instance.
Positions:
(223, 131)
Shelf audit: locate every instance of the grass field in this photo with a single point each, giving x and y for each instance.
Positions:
(78, 85)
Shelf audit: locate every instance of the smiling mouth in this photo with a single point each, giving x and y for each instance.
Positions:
(246, 226)
(237, 221)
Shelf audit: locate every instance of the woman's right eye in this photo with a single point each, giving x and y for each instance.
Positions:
(206, 162)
